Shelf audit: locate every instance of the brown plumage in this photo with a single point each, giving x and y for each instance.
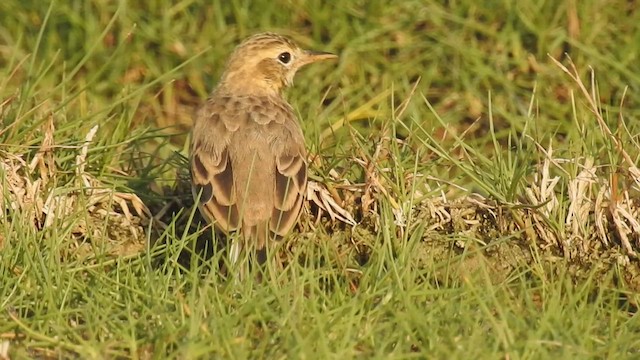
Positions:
(248, 157)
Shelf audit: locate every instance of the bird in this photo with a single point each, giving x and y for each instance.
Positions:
(248, 157)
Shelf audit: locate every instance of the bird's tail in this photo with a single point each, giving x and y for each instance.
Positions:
(256, 238)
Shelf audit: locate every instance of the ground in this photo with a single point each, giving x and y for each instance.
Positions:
(474, 183)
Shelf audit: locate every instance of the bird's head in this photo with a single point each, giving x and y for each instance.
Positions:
(266, 63)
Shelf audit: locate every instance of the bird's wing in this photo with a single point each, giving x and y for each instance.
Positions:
(211, 168)
(290, 169)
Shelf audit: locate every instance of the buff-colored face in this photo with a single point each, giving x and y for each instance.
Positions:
(267, 63)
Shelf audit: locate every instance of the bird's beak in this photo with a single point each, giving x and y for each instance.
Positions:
(311, 56)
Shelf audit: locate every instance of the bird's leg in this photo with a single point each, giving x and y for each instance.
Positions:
(235, 251)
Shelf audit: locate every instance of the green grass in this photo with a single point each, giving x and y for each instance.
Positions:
(491, 188)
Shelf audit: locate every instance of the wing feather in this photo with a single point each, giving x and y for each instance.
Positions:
(291, 181)
(211, 168)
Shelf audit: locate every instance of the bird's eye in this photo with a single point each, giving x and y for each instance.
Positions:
(284, 57)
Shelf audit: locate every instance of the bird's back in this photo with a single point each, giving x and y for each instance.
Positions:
(257, 164)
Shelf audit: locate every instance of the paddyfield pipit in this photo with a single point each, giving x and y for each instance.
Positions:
(248, 156)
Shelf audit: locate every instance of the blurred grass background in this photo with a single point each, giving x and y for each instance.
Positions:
(460, 50)
(483, 77)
